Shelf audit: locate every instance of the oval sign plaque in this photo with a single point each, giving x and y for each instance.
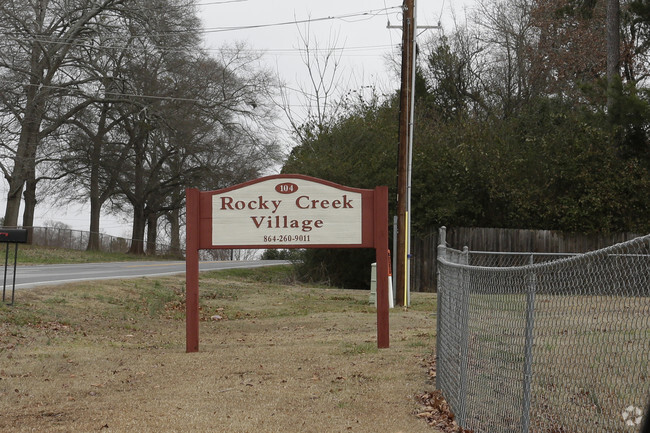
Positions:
(286, 188)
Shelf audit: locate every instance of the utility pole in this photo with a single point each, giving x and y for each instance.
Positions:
(408, 64)
(405, 154)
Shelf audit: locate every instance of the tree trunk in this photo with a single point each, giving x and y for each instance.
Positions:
(14, 199)
(24, 169)
(95, 200)
(94, 243)
(152, 233)
(175, 232)
(138, 200)
(30, 205)
(30, 198)
(139, 225)
(30, 182)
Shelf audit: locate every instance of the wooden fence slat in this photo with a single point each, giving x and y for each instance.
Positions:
(424, 248)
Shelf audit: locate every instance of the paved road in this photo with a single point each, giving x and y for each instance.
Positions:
(38, 275)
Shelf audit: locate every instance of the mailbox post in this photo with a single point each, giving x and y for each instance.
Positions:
(11, 236)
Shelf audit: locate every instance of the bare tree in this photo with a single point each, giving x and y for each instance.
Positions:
(109, 59)
(205, 124)
(320, 100)
(506, 33)
(457, 71)
(41, 36)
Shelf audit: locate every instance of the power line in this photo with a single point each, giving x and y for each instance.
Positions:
(118, 94)
(170, 6)
(221, 2)
(370, 14)
(260, 51)
(128, 95)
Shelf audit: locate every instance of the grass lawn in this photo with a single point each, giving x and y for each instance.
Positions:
(274, 357)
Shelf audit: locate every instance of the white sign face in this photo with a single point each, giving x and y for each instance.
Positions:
(286, 211)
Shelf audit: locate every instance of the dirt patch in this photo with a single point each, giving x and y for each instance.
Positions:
(110, 356)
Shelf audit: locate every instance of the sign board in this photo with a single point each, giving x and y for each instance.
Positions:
(286, 211)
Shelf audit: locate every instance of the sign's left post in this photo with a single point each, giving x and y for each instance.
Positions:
(192, 236)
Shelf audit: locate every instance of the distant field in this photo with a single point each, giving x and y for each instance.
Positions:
(35, 255)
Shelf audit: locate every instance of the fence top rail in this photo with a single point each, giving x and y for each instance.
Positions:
(611, 251)
(521, 253)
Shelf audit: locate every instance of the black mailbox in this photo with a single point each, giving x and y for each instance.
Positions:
(13, 235)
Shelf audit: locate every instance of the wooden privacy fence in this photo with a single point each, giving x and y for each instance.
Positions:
(424, 248)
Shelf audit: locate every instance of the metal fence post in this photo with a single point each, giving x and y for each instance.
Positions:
(442, 253)
(528, 348)
(464, 337)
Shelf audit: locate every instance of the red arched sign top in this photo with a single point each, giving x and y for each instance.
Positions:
(286, 211)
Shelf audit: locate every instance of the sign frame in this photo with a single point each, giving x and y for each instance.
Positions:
(199, 227)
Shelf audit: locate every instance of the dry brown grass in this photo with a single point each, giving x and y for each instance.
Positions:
(109, 356)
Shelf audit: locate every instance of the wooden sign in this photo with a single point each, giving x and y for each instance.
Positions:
(286, 211)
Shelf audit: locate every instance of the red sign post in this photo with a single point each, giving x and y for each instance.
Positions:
(286, 211)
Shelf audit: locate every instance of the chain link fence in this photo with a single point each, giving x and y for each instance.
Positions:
(56, 237)
(545, 343)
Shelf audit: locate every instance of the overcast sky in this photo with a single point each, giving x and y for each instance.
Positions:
(357, 27)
